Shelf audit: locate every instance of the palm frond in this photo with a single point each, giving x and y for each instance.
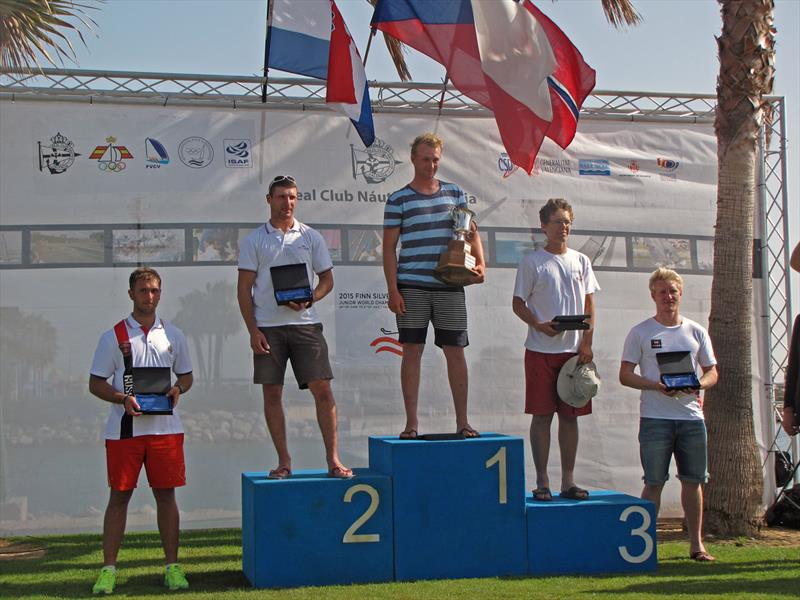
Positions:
(619, 12)
(31, 30)
(396, 50)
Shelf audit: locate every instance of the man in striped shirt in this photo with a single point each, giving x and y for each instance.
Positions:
(418, 216)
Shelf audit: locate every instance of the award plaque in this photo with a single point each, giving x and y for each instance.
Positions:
(154, 404)
(290, 283)
(677, 370)
(570, 322)
(456, 264)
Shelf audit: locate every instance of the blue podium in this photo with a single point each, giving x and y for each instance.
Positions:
(458, 505)
(314, 530)
(608, 533)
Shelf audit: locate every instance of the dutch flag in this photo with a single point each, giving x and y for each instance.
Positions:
(310, 38)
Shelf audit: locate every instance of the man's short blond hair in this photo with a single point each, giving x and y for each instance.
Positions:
(664, 274)
(429, 139)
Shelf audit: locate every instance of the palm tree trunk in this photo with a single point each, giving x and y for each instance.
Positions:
(746, 51)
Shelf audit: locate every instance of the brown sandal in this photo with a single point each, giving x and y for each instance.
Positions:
(408, 434)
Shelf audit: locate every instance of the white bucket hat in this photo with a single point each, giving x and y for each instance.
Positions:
(577, 384)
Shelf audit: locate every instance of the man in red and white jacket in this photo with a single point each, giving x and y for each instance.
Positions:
(139, 353)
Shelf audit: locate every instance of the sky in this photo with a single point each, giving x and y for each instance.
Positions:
(673, 50)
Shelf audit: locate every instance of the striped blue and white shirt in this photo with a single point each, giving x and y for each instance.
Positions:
(425, 229)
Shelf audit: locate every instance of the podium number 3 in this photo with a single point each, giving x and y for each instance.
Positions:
(350, 536)
(640, 532)
(499, 459)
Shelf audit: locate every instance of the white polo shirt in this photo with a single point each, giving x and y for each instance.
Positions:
(164, 346)
(267, 247)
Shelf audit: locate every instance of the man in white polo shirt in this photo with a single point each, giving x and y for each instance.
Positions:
(139, 353)
(291, 330)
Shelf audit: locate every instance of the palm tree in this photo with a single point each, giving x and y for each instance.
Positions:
(30, 29)
(746, 53)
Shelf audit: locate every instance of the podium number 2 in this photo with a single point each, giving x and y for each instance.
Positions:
(499, 459)
(350, 536)
(640, 532)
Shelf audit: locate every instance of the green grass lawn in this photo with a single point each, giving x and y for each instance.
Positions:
(212, 560)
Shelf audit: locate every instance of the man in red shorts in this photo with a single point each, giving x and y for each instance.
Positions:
(552, 281)
(139, 353)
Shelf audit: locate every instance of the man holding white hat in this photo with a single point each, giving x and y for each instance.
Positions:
(557, 282)
(671, 408)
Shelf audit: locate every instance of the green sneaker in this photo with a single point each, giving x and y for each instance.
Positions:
(106, 581)
(174, 578)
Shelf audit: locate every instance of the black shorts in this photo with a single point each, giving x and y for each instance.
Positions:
(303, 345)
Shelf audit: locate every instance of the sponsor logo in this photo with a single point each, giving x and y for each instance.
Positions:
(238, 154)
(559, 166)
(58, 156)
(375, 164)
(667, 169)
(505, 166)
(155, 154)
(594, 166)
(634, 171)
(655, 344)
(384, 343)
(111, 158)
(195, 152)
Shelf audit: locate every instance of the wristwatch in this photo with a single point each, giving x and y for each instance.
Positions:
(180, 388)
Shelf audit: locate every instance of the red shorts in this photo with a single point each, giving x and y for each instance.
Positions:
(161, 455)
(541, 396)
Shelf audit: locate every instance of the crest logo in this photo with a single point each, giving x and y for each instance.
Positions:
(238, 154)
(58, 156)
(156, 153)
(111, 158)
(505, 166)
(384, 343)
(375, 164)
(633, 166)
(195, 152)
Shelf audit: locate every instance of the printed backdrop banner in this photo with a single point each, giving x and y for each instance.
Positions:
(88, 192)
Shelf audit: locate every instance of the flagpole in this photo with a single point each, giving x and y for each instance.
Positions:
(444, 89)
(266, 53)
(372, 33)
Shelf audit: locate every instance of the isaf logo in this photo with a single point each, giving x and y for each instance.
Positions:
(58, 156)
(111, 158)
(238, 154)
(375, 164)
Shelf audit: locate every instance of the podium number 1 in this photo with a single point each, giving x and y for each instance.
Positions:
(499, 459)
(350, 536)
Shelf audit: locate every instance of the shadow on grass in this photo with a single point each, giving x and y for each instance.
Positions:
(710, 586)
(209, 582)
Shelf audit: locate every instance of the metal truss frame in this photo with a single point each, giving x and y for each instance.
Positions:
(251, 92)
(291, 93)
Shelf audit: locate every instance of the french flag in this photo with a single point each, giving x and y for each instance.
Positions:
(310, 38)
(505, 55)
